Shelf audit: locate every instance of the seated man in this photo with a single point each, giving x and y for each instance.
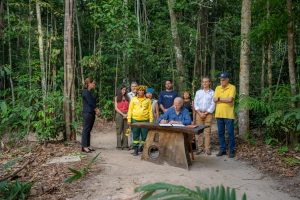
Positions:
(177, 114)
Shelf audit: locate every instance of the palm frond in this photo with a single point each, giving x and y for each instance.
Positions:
(167, 191)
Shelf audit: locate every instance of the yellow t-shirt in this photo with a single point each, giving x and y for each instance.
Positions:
(140, 109)
(225, 110)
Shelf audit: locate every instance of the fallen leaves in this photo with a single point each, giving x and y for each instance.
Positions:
(48, 178)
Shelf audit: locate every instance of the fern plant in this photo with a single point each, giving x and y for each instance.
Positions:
(14, 190)
(77, 174)
(167, 191)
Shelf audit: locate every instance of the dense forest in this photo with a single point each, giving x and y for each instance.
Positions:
(48, 47)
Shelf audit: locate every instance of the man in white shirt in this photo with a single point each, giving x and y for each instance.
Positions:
(133, 90)
(204, 106)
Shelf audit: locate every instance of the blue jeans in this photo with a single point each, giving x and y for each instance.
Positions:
(229, 123)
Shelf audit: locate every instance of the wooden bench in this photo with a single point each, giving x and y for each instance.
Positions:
(169, 144)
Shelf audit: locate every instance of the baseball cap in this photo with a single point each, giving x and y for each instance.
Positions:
(224, 75)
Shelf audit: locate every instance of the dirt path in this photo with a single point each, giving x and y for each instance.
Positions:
(120, 173)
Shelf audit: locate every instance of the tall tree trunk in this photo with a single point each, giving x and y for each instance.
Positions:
(69, 90)
(177, 47)
(213, 53)
(79, 45)
(263, 65)
(10, 60)
(125, 53)
(29, 45)
(1, 18)
(138, 18)
(197, 53)
(291, 49)
(291, 60)
(41, 49)
(244, 64)
(269, 58)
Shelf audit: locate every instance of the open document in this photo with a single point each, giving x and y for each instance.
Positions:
(175, 125)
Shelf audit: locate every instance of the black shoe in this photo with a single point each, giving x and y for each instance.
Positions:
(91, 149)
(86, 150)
(231, 154)
(221, 153)
(136, 151)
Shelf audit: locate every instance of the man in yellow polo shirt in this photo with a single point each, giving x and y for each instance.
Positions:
(224, 99)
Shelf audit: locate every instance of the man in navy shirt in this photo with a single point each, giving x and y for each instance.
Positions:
(166, 98)
(177, 114)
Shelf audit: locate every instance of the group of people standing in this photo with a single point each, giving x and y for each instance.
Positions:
(139, 105)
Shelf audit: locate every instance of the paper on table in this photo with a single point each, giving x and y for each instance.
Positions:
(165, 124)
(178, 125)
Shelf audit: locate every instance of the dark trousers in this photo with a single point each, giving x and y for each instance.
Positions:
(139, 133)
(121, 125)
(229, 124)
(88, 122)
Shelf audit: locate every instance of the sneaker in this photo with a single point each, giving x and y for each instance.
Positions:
(208, 152)
(231, 154)
(221, 153)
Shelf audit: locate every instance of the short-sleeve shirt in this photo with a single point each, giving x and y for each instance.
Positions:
(166, 98)
(225, 110)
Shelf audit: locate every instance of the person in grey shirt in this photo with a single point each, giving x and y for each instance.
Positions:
(204, 106)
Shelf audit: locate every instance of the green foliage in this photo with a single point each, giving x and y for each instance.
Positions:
(271, 141)
(283, 149)
(14, 190)
(32, 114)
(168, 191)
(49, 119)
(9, 164)
(278, 116)
(291, 161)
(297, 147)
(77, 174)
(250, 138)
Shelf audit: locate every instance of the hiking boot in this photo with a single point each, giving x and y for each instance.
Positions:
(231, 154)
(221, 153)
(136, 151)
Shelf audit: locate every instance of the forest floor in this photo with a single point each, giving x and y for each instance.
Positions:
(258, 170)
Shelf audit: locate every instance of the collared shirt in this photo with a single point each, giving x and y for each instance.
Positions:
(140, 109)
(130, 95)
(204, 101)
(183, 116)
(225, 110)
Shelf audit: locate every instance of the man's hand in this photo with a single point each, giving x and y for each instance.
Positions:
(163, 121)
(175, 122)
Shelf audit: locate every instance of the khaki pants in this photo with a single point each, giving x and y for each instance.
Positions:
(121, 125)
(204, 139)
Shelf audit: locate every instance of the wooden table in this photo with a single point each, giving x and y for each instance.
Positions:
(169, 144)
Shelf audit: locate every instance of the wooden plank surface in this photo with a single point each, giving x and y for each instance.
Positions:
(186, 129)
(171, 147)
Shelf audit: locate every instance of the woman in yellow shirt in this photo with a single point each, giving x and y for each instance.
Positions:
(140, 110)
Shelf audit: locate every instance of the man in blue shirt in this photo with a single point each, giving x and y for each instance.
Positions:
(176, 114)
(166, 98)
